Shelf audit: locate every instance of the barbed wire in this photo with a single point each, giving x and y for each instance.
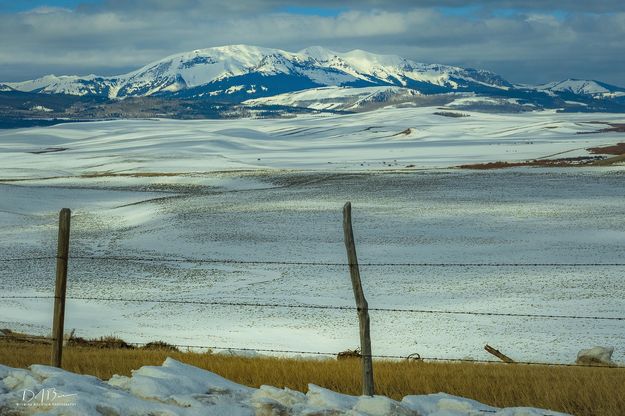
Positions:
(327, 307)
(233, 351)
(509, 314)
(313, 263)
(341, 264)
(27, 258)
(312, 306)
(27, 297)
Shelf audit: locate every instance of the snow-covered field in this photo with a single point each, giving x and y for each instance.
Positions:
(179, 389)
(273, 190)
(390, 138)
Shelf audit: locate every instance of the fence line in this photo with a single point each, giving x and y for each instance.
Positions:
(27, 258)
(62, 258)
(325, 353)
(328, 307)
(339, 264)
(310, 263)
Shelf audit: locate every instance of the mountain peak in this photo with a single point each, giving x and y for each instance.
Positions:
(239, 72)
(581, 86)
(244, 49)
(318, 52)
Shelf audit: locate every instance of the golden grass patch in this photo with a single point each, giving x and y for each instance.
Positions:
(580, 391)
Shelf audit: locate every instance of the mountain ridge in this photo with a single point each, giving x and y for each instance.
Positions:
(322, 67)
(246, 74)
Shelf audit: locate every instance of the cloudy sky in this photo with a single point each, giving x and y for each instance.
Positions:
(529, 41)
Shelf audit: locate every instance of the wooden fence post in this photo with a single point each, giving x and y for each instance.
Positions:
(60, 288)
(503, 357)
(361, 303)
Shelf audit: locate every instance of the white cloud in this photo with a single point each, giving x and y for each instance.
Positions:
(47, 10)
(533, 46)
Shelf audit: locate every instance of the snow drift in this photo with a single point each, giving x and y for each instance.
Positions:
(179, 389)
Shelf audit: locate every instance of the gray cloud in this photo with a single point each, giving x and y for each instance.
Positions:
(530, 44)
(253, 6)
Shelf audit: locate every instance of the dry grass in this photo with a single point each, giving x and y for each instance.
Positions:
(576, 390)
(610, 161)
(563, 162)
(617, 149)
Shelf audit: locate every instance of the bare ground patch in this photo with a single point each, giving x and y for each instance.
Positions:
(617, 149)
(562, 162)
(49, 150)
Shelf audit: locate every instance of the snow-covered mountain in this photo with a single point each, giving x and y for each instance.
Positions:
(591, 88)
(338, 98)
(241, 72)
(318, 78)
(5, 88)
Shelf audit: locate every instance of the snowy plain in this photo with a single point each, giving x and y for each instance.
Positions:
(272, 190)
(384, 139)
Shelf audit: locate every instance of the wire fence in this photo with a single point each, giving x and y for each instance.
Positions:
(241, 351)
(140, 344)
(17, 259)
(329, 307)
(312, 263)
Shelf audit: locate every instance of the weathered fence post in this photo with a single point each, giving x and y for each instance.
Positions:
(361, 303)
(61, 285)
(503, 357)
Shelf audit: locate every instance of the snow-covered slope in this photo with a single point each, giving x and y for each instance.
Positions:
(4, 88)
(250, 71)
(337, 98)
(583, 87)
(188, 146)
(71, 85)
(237, 73)
(180, 389)
(393, 69)
(288, 172)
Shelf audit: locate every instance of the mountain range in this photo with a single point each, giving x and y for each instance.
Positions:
(316, 78)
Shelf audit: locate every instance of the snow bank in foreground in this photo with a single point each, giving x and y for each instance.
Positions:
(179, 389)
